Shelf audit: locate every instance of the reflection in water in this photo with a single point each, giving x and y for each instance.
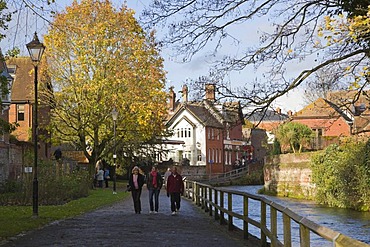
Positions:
(348, 222)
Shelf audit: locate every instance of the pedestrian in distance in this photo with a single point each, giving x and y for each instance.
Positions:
(100, 177)
(58, 155)
(136, 182)
(154, 184)
(106, 177)
(175, 189)
(166, 175)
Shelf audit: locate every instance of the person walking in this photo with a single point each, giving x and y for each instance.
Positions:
(100, 177)
(136, 182)
(166, 175)
(154, 184)
(106, 177)
(175, 188)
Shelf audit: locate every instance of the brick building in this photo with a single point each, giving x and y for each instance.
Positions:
(21, 107)
(208, 133)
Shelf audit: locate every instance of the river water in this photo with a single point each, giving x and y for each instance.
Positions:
(348, 222)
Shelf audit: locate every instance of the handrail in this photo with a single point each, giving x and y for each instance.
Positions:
(211, 199)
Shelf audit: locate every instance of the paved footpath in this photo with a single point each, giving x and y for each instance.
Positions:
(118, 225)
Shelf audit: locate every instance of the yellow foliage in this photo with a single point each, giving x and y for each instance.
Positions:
(99, 58)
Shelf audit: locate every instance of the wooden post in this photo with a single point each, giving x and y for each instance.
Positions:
(273, 216)
(304, 234)
(216, 203)
(287, 231)
(210, 200)
(205, 206)
(230, 209)
(197, 189)
(263, 224)
(245, 213)
(222, 206)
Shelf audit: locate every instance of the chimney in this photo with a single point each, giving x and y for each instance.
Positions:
(278, 111)
(184, 93)
(172, 97)
(210, 92)
(290, 113)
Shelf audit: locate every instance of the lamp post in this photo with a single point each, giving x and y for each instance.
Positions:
(36, 49)
(114, 116)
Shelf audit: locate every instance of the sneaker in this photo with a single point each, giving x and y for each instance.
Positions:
(174, 213)
(155, 212)
(151, 212)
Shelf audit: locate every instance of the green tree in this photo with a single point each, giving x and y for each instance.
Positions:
(99, 58)
(294, 135)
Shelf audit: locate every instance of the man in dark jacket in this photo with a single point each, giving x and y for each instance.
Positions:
(175, 188)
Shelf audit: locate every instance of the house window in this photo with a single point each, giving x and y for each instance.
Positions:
(209, 134)
(20, 112)
(218, 134)
(213, 134)
(189, 132)
(199, 155)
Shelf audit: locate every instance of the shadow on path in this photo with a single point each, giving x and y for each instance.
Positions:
(118, 225)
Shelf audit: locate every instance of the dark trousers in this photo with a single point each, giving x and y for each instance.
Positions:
(136, 193)
(175, 201)
(100, 183)
(154, 193)
(106, 182)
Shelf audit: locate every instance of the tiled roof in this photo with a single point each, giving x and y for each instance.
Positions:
(267, 116)
(203, 114)
(320, 108)
(210, 114)
(22, 89)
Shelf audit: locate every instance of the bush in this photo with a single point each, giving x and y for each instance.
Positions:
(57, 185)
(342, 176)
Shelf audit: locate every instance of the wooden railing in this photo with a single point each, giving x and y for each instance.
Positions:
(230, 175)
(212, 200)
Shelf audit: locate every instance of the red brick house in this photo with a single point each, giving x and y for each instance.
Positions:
(209, 133)
(341, 114)
(21, 112)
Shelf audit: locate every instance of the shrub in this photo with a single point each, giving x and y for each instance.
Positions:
(342, 176)
(57, 185)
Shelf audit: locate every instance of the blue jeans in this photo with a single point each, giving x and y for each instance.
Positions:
(154, 193)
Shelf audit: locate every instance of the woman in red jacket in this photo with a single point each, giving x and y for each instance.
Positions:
(175, 188)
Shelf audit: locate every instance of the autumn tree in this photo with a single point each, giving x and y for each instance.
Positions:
(288, 38)
(294, 136)
(99, 59)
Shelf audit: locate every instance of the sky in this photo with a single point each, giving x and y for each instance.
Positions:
(177, 72)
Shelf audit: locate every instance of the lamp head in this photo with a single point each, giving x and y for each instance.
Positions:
(36, 49)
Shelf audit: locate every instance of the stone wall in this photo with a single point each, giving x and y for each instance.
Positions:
(289, 175)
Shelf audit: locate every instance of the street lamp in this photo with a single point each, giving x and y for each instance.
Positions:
(114, 116)
(36, 49)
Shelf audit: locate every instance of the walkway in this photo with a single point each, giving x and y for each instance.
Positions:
(118, 225)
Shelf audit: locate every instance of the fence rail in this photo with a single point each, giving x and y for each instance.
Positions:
(211, 199)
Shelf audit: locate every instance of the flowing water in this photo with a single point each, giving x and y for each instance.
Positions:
(348, 222)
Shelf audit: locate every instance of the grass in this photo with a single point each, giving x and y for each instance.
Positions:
(18, 219)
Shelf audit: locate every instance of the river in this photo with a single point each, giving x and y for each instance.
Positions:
(348, 222)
